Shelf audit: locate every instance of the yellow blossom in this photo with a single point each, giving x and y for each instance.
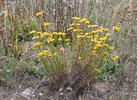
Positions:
(55, 53)
(39, 14)
(116, 28)
(77, 30)
(94, 52)
(92, 32)
(67, 44)
(39, 32)
(63, 34)
(106, 53)
(77, 24)
(45, 52)
(92, 26)
(100, 31)
(32, 32)
(72, 25)
(46, 24)
(38, 60)
(106, 45)
(105, 29)
(46, 34)
(50, 54)
(40, 54)
(79, 58)
(87, 22)
(84, 19)
(42, 36)
(35, 38)
(108, 34)
(76, 18)
(54, 33)
(111, 48)
(49, 40)
(60, 33)
(37, 44)
(59, 39)
(71, 28)
(67, 40)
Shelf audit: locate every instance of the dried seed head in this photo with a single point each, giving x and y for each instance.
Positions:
(61, 89)
(62, 49)
(69, 88)
(61, 93)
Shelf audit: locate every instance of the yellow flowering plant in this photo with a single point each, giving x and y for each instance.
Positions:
(85, 53)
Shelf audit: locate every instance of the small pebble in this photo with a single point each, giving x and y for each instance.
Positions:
(40, 94)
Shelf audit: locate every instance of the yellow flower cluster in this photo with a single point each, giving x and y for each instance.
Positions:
(78, 20)
(94, 38)
(46, 53)
(93, 34)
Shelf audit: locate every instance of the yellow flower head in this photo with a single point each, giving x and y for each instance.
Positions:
(32, 32)
(72, 25)
(50, 55)
(46, 24)
(63, 34)
(100, 31)
(71, 28)
(55, 53)
(84, 20)
(42, 36)
(40, 54)
(39, 32)
(111, 48)
(106, 45)
(37, 44)
(94, 52)
(77, 24)
(76, 18)
(79, 58)
(105, 29)
(45, 52)
(54, 33)
(92, 26)
(38, 60)
(59, 39)
(67, 40)
(46, 34)
(60, 33)
(67, 44)
(35, 38)
(77, 30)
(49, 40)
(39, 14)
(106, 53)
(108, 34)
(116, 28)
(87, 22)
(92, 32)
